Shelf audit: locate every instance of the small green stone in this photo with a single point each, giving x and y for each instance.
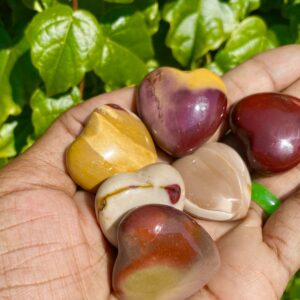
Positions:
(264, 198)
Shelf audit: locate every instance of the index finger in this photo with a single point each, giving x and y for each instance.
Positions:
(271, 71)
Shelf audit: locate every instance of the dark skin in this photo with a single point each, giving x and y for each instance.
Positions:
(52, 248)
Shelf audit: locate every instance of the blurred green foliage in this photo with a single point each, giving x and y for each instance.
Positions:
(50, 47)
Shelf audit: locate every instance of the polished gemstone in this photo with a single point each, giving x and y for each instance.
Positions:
(114, 140)
(158, 183)
(217, 182)
(163, 254)
(268, 124)
(182, 110)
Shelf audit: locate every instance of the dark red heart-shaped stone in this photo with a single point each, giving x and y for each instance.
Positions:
(268, 124)
(181, 109)
(162, 254)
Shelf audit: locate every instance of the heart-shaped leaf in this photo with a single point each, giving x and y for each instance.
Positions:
(63, 46)
(125, 48)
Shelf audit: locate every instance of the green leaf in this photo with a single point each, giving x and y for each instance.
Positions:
(21, 16)
(126, 49)
(163, 54)
(292, 11)
(267, 5)
(196, 27)
(29, 142)
(120, 1)
(148, 8)
(151, 14)
(5, 14)
(93, 85)
(24, 129)
(8, 56)
(3, 162)
(213, 66)
(242, 8)
(282, 34)
(63, 46)
(38, 5)
(47, 109)
(250, 38)
(95, 7)
(14, 134)
(293, 288)
(7, 146)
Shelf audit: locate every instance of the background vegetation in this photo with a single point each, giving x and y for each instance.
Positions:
(56, 53)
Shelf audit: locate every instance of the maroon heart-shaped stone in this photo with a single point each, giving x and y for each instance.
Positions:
(268, 124)
(181, 109)
(162, 254)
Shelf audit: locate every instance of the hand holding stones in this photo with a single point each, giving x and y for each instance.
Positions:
(162, 252)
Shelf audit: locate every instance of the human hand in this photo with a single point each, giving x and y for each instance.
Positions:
(52, 248)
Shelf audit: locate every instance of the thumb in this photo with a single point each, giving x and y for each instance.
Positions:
(282, 234)
(44, 163)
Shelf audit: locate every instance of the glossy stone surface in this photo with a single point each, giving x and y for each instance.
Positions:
(163, 255)
(268, 124)
(182, 110)
(217, 182)
(114, 140)
(157, 183)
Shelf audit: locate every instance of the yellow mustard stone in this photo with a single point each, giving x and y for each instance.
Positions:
(114, 140)
(200, 78)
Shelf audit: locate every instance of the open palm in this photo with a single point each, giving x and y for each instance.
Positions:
(52, 248)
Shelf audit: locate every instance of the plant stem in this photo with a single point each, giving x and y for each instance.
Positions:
(75, 4)
(208, 58)
(81, 88)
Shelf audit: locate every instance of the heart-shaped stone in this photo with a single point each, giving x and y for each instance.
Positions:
(217, 182)
(114, 140)
(163, 254)
(181, 109)
(268, 124)
(157, 183)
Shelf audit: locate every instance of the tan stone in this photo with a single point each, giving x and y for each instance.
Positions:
(217, 182)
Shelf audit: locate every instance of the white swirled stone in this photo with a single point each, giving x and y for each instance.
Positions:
(158, 183)
(217, 182)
